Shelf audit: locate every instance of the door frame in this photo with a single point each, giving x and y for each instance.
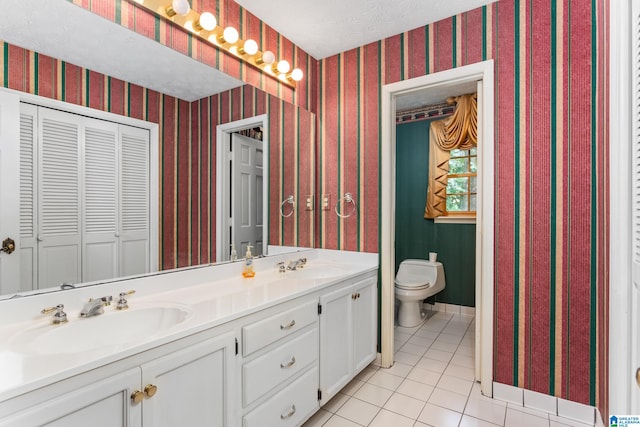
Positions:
(481, 72)
(621, 304)
(223, 138)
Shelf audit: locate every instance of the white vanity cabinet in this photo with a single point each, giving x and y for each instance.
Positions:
(348, 325)
(186, 387)
(280, 366)
(104, 403)
(191, 386)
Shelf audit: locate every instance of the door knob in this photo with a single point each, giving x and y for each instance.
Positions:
(137, 396)
(638, 377)
(8, 245)
(150, 390)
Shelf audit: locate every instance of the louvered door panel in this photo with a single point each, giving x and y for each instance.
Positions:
(59, 195)
(134, 200)
(99, 255)
(28, 197)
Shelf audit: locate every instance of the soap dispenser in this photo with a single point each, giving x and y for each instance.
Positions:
(234, 254)
(247, 271)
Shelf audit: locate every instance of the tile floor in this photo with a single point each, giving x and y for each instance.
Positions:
(430, 384)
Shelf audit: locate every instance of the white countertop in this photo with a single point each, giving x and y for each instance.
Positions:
(212, 295)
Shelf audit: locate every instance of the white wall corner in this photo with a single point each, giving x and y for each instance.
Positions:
(540, 401)
(599, 422)
(508, 393)
(577, 411)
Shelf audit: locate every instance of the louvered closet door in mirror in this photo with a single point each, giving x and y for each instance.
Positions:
(59, 233)
(99, 255)
(134, 234)
(28, 197)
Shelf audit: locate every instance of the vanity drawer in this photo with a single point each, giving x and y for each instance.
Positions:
(289, 407)
(267, 371)
(262, 333)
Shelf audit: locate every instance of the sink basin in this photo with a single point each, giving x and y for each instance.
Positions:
(112, 329)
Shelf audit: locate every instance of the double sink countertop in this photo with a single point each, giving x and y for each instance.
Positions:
(166, 306)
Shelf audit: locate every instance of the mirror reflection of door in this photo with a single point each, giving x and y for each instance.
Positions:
(247, 166)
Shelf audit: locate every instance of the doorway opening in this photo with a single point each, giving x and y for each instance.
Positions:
(242, 179)
(480, 74)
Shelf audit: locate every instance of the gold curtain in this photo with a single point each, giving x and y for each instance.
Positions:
(460, 131)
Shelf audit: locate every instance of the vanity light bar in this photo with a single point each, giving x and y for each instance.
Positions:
(227, 39)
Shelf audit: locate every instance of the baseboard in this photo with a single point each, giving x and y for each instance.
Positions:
(550, 404)
(451, 308)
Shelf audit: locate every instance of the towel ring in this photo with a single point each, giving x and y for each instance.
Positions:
(347, 198)
(293, 207)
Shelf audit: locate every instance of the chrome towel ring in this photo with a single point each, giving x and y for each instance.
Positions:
(290, 201)
(347, 198)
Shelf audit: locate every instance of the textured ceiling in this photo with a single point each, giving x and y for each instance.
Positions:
(59, 29)
(62, 30)
(327, 27)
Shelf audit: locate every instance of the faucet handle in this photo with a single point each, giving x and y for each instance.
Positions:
(281, 267)
(122, 303)
(59, 316)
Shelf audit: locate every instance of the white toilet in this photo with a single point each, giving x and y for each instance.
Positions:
(416, 280)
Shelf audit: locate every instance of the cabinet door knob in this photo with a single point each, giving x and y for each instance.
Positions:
(288, 364)
(150, 390)
(289, 326)
(638, 377)
(137, 396)
(353, 296)
(288, 414)
(358, 295)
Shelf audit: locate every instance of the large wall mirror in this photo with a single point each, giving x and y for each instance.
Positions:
(184, 222)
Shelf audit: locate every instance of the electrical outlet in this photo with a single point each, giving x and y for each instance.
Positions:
(326, 199)
(309, 205)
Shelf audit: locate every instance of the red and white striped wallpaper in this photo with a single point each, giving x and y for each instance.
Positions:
(551, 139)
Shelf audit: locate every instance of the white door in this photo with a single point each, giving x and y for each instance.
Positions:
(634, 293)
(9, 190)
(59, 192)
(246, 193)
(105, 403)
(336, 341)
(365, 324)
(134, 222)
(193, 387)
(99, 243)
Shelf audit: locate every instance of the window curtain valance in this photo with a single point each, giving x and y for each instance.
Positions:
(460, 131)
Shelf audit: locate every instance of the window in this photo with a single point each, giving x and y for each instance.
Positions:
(462, 182)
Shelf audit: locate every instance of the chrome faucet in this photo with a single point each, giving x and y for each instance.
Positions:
(298, 263)
(94, 307)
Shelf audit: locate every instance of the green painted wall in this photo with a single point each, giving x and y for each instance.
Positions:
(416, 236)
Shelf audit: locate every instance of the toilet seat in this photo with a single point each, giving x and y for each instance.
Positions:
(412, 287)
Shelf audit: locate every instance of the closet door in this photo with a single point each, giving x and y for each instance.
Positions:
(28, 197)
(99, 254)
(59, 233)
(134, 201)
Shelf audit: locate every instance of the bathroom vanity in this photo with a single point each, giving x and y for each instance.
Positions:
(198, 346)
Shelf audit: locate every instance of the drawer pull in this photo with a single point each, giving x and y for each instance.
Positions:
(289, 326)
(288, 414)
(289, 364)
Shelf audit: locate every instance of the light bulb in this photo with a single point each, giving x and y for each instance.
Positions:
(250, 47)
(295, 75)
(178, 7)
(230, 35)
(207, 21)
(267, 58)
(282, 67)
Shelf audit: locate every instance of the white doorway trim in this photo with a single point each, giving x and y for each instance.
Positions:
(622, 390)
(223, 138)
(481, 72)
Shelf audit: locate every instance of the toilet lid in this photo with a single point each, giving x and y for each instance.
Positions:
(412, 286)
